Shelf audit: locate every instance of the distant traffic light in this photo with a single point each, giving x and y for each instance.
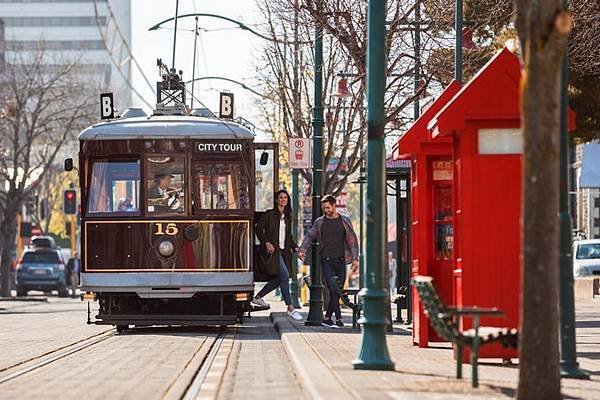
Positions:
(26, 228)
(70, 201)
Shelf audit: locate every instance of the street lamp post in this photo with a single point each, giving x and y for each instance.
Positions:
(569, 367)
(315, 311)
(373, 353)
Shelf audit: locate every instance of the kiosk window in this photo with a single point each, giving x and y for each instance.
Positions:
(221, 186)
(114, 187)
(165, 184)
(443, 222)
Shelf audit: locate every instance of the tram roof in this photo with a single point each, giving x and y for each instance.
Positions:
(166, 127)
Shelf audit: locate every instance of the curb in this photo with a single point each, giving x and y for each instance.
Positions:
(316, 377)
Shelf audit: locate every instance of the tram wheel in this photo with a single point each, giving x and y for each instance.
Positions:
(122, 328)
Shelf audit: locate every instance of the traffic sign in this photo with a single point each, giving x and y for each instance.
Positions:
(299, 153)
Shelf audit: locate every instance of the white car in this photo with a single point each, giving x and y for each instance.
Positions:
(586, 257)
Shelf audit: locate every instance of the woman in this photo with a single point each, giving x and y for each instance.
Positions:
(274, 230)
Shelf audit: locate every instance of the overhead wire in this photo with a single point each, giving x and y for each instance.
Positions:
(122, 44)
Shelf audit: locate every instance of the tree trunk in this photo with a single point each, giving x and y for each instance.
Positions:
(8, 233)
(543, 49)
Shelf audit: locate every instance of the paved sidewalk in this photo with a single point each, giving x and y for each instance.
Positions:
(322, 358)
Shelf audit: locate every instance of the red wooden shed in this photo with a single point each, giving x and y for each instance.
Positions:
(484, 122)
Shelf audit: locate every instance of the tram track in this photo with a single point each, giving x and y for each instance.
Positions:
(199, 378)
(31, 364)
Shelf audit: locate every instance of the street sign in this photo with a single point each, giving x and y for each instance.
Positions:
(107, 109)
(299, 153)
(226, 105)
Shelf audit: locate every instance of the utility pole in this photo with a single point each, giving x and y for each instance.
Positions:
(315, 311)
(458, 16)
(297, 133)
(373, 353)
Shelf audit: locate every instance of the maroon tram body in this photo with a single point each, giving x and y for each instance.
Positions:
(168, 204)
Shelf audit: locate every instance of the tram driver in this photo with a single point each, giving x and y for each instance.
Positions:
(162, 196)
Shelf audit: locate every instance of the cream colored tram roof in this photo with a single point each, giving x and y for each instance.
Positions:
(166, 127)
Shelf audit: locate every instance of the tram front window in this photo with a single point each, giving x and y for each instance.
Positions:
(221, 186)
(165, 183)
(114, 187)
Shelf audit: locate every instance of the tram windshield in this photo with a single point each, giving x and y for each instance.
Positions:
(220, 186)
(165, 183)
(114, 187)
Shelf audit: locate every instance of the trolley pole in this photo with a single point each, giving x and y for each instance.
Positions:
(173, 69)
(315, 311)
(194, 63)
(373, 353)
(569, 367)
(295, 185)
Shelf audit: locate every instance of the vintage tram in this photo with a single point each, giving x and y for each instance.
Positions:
(167, 210)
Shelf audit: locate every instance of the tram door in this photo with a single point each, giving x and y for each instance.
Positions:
(266, 175)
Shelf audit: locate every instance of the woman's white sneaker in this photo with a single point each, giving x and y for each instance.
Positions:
(260, 302)
(295, 315)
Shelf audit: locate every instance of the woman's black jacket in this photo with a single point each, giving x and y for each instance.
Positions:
(267, 230)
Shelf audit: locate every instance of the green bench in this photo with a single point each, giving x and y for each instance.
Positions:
(445, 321)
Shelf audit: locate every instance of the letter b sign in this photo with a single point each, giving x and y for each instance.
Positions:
(226, 106)
(107, 110)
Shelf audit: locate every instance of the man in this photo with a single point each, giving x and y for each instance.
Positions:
(161, 196)
(338, 246)
(73, 269)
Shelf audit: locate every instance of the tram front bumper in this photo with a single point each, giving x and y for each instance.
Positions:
(166, 284)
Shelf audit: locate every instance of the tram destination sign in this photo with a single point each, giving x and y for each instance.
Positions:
(219, 147)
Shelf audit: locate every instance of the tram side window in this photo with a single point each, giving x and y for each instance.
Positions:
(165, 183)
(114, 187)
(221, 186)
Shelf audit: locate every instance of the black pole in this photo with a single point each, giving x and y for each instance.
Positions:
(399, 225)
(569, 367)
(417, 73)
(458, 33)
(315, 311)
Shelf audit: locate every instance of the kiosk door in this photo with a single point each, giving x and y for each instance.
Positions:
(443, 232)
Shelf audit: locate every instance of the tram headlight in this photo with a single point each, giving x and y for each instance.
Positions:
(166, 248)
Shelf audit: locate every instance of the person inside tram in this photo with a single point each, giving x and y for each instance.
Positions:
(125, 205)
(274, 231)
(162, 195)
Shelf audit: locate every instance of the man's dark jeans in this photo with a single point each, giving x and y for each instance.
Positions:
(332, 268)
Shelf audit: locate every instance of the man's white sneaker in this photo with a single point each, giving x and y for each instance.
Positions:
(260, 302)
(295, 315)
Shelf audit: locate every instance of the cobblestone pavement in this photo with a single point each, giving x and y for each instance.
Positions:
(323, 360)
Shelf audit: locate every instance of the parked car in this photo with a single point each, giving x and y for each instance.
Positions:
(586, 257)
(47, 242)
(41, 269)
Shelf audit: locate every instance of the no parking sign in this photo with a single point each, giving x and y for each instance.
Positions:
(299, 153)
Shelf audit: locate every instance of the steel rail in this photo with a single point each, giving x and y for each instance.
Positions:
(69, 349)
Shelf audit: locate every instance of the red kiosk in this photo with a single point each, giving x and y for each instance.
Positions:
(478, 130)
(431, 211)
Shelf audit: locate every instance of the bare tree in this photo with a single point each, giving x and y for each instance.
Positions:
(42, 109)
(343, 22)
(543, 28)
